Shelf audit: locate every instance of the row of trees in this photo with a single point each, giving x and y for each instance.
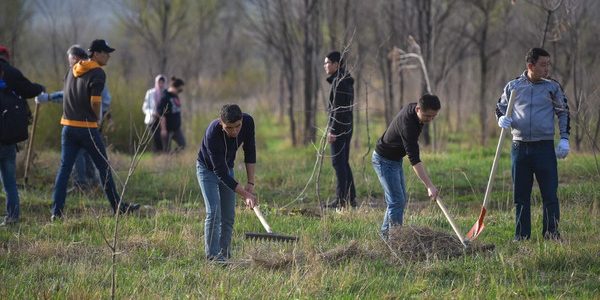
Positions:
(232, 49)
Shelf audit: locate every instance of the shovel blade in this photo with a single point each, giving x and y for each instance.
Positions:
(478, 227)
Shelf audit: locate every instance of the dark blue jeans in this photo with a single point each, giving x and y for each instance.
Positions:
(219, 201)
(539, 159)
(8, 155)
(84, 170)
(74, 139)
(340, 154)
(391, 177)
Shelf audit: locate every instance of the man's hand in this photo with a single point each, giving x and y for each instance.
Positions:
(331, 137)
(562, 149)
(250, 200)
(42, 98)
(432, 192)
(504, 122)
(249, 188)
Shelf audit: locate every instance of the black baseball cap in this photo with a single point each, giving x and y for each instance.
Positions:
(100, 46)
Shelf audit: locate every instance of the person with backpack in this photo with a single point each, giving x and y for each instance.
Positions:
(14, 89)
(81, 115)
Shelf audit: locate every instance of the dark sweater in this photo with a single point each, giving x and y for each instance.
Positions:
(402, 136)
(83, 85)
(217, 151)
(19, 83)
(341, 99)
(170, 105)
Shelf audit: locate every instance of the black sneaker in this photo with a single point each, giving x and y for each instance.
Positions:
(128, 208)
(335, 203)
(9, 221)
(553, 236)
(55, 218)
(353, 203)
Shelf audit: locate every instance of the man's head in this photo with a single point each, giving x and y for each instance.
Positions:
(4, 53)
(176, 85)
(231, 119)
(75, 54)
(538, 64)
(428, 108)
(100, 51)
(333, 61)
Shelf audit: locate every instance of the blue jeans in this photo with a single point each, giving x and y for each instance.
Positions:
(340, 155)
(539, 159)
(219, 200)
(8, 156)
(84, 170)
(391, 176)
(74, 139)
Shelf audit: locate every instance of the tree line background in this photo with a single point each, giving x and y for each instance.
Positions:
(270, 53)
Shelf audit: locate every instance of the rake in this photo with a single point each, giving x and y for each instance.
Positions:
(462, 240)
(479, 225)
(270, 235)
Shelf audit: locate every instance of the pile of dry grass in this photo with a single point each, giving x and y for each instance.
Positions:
(421, 243)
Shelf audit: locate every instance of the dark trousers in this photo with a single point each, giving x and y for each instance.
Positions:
(73, 140)
(539, 159)
(340, 154)
(154, 128)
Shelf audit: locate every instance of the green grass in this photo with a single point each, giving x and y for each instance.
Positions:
(162, 254)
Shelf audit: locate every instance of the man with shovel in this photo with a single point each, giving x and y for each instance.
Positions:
(537, 100)
(401, 139)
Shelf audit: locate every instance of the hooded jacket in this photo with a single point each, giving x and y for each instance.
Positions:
(535, 105)
(341, 100)
(83, 86)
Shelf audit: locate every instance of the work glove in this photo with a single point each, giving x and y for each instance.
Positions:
(562, 149)
(42, 98)
(504, 122)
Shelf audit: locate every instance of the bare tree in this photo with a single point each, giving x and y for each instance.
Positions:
(158, 23)
(15, 15)
(312, 44)
(275, 25)
(489, 15)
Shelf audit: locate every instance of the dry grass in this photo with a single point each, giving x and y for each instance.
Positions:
(421, 243)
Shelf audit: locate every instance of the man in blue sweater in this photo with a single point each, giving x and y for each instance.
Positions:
(214, 167)
(537, 100)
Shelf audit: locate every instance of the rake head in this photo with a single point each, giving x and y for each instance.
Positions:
(271, 237)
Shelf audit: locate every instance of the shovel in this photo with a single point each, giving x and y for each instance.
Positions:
(30, 145)
(479, 225)
(270, 235)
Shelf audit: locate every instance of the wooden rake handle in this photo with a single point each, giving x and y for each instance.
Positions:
(262, 219)
(451, 221)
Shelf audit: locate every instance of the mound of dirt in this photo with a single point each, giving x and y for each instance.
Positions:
(422, 243)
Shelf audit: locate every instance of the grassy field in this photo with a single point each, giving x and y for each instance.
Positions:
(162, 250)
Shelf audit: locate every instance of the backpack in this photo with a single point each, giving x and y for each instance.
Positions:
(15, 117)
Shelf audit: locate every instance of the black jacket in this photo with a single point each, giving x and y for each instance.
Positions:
(341, 100)
(19, 83)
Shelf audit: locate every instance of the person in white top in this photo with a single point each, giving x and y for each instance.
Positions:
(152, 119)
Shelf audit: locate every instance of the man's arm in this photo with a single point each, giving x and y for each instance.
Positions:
(432, 191)
(250, 169)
